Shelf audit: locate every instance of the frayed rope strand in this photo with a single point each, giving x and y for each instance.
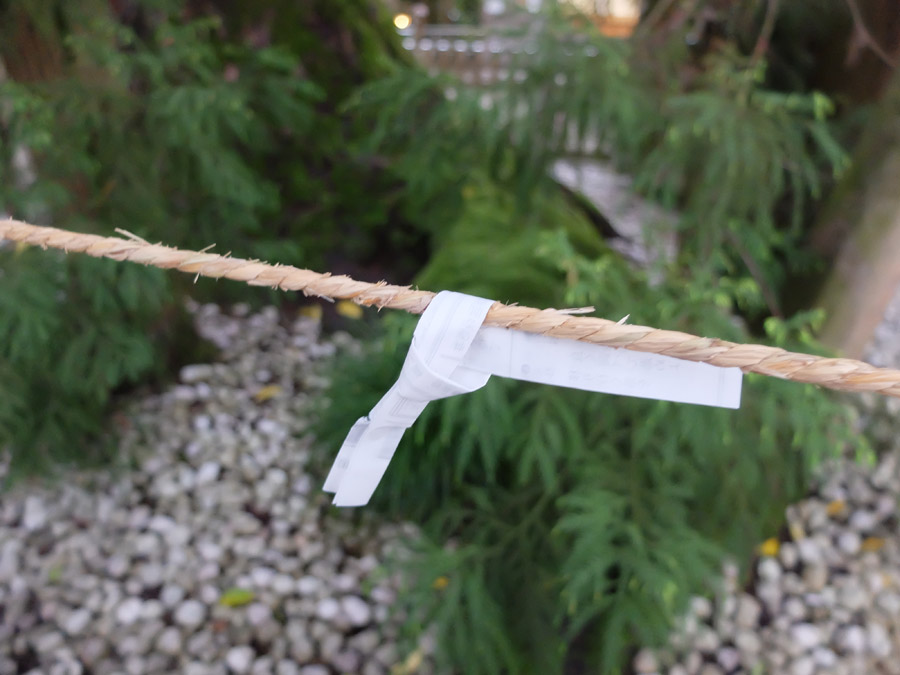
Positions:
(840, 374)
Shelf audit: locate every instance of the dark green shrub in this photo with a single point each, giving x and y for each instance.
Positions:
(73, 331)
(739, 162)
(174, 132)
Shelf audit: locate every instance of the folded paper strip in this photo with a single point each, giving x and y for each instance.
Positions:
(452, 353)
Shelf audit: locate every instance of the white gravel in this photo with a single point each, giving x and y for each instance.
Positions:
(218, 553)
(828, 601)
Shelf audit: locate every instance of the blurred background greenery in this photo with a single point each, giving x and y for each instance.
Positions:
(418, 143)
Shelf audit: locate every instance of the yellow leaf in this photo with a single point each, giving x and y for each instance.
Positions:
(872, 544)
(410, 665)
(266, 393)
(20, 246)
(349, 309)
(237, 597)
(440, 583)
(311, 312)
(835, 508)
(769, 547)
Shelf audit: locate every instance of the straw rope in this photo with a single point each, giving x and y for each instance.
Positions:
(842, 374)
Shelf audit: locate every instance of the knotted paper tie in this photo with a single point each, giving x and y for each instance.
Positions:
(433, 370)
(452, 353)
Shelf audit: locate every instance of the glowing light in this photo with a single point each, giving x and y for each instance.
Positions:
(402, 21)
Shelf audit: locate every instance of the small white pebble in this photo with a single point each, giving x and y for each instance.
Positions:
(239, 659)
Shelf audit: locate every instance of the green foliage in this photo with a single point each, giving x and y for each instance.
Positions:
(196, 141)
(563, 526)
(66, 343)
(579, 523)
(467, 257)
(176, 133)
(739, 162)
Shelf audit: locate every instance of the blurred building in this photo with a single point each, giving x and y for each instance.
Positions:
(613, 17)
(616, 18)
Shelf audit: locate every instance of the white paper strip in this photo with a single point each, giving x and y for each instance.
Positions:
(452, 353)
(581, 365)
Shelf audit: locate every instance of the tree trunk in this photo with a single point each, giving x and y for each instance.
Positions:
(863, 226)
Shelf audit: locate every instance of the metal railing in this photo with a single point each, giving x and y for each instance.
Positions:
(481, 55)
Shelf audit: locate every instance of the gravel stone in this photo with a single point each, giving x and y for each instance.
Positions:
(863, 521)
(346, 661)
(805, 665)
(805, 637)
(815, 576)
(190, 614)
(34, 515)
(300, 644)
(849, 542)
(729, 658)
(9, 560)
(809, 551)
(851, 639)
(645, 662)
(315, 670)
(308, 585)
(208, 472)
(117, 567)
(701, 607)
(171, 595)
(76, 623)
(769, 569)
(357, 610)
(748, 611)
(240, 659)
(788, 555)
(383, 595)
(169, 641)
(366, 641)
(711, 669)
(748, 641)
(286, 667)
(824, 657)
(283, 584)
(707, 640)
(258, 613)
(327, 609)
(129, 611)
(878, 640)
(770, 594)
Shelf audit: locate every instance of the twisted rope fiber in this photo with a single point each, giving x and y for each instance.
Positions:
(842, 374)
